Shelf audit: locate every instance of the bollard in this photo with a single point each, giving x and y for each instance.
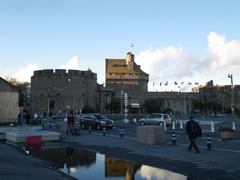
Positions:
(173, 138)
(165, 126)
(121, 133)
(233, 126)
(90, 129)
(104, 131)
(181, 124)
(212, 127)
(173, 125)
(209, 142)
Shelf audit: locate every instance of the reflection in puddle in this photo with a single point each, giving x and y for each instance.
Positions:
(83, 164)
(149, 172)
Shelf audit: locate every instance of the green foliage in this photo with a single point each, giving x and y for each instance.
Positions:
(227, 110)
(237, 111)
(114, 105)
(36, 122)
(23, 89)
(211, 105)
(88, 109)
(151, 105)
(168, 111)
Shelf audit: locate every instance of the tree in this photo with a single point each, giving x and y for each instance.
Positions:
(151, 105)
(23, 89)
(114, 105)
(88, 109)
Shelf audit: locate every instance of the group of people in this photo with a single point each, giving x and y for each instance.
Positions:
(25, 117)
(192, 127)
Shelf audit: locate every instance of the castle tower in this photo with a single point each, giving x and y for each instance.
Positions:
(130, 60)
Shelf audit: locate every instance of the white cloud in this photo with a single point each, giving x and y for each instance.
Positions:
(24, 74)
(160, 63)
(223, 54)
(174, 64)
(73, 63)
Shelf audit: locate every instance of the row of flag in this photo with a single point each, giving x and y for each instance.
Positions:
(176, 83)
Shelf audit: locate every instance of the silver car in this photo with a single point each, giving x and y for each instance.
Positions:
(156, 119)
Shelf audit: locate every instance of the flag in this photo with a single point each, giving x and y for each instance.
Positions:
(176, 83)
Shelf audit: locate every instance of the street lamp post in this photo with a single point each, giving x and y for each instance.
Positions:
(69, 95)
(121, 95)
(184, 104)
(232, 93)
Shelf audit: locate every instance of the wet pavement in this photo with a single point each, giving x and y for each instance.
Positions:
(208, 164)
(81, 163)
(218, 163)
(15, 165)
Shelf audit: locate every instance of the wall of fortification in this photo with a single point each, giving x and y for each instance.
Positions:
(56, 90)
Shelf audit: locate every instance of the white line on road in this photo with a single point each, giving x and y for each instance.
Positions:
(218, 149)
(202, 147)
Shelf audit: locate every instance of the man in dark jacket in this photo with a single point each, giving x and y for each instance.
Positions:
(193, 131)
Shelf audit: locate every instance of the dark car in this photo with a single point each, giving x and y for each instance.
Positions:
(95, 120)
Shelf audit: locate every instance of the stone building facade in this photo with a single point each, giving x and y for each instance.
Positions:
(221, 94)
(124, 75)
(9, 98)
(57, 90)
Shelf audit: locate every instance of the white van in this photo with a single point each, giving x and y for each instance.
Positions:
(156, 119)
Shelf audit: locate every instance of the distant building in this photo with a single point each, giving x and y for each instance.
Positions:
(56, 91)
(9, 98)
(221, 94)
(124, 75)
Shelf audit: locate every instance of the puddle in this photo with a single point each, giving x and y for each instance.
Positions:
(84, 164)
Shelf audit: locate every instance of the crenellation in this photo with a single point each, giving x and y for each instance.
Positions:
(63, 89)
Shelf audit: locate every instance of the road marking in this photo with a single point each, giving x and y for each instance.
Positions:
(218, 149)
(113, 135)
(202, 147)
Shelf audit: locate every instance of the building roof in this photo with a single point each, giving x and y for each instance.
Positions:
(6, 86)
(120, 66)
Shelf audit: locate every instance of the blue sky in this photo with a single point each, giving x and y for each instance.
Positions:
(174, 40)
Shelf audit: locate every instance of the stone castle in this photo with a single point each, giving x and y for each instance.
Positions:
(54, 90)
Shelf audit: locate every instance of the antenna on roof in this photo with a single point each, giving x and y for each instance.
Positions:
(131, 46)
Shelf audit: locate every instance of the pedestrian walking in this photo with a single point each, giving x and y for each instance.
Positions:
(193, 131)
(72, 128)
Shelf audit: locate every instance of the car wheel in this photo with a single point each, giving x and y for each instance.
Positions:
(83, 126)
(142, 123)
(98, 126)
(161, 124)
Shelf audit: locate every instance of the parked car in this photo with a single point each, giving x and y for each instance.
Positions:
(156, 119)
(95, 120)
(60, 116)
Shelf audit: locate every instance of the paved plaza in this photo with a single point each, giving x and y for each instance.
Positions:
(222, 162)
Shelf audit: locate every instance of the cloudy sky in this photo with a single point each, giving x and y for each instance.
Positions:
(174, 41)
